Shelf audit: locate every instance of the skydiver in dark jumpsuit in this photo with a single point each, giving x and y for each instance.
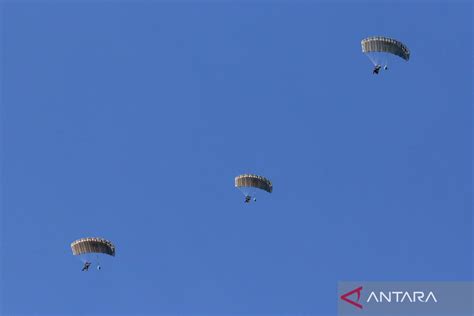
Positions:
(376, 70)
(248, 198)
(86, 266)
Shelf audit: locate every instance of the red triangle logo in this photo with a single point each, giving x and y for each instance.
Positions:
(344, 297)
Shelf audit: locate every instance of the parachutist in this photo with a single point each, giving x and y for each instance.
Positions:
(254, 182)
(92, 245)
(376, 70)
(383, 47)
(86, 266)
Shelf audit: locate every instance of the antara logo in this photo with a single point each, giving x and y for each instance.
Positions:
(401, 297)
(389, 297)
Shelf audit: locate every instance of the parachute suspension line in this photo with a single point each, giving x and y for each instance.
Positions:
(372, 59)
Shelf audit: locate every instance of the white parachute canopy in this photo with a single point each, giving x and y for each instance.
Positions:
(384, 50)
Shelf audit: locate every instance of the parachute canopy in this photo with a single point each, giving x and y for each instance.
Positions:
(382, 44)
(92, 245)
(252, 180)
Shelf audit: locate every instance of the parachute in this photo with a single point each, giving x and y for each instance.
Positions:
(250, 184)
(379, 48)
(92, 245)
(89, 249)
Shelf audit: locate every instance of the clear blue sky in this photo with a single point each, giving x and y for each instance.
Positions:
(130, 121)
